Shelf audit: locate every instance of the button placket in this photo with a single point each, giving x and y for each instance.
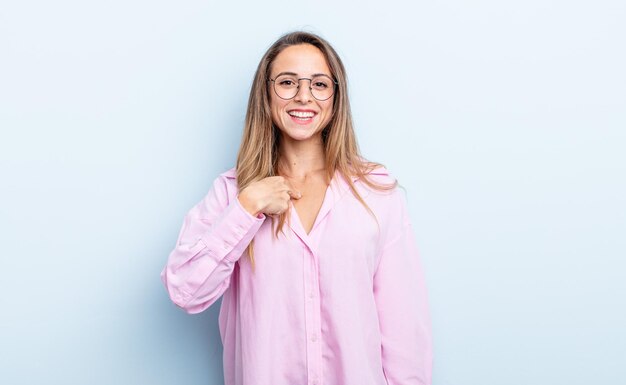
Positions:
(312, 316)
(317, 336)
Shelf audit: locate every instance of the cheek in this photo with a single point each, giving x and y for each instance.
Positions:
(328, 109)
(274, 109)
(328, 105)
(276, 105)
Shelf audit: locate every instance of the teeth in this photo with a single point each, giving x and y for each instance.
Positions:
(299, 114)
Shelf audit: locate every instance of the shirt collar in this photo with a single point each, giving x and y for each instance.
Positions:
(230, 173)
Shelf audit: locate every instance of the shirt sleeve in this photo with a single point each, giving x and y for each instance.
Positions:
(402, 302)
(214, 235)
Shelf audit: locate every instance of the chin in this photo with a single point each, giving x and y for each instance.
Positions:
(302, 134)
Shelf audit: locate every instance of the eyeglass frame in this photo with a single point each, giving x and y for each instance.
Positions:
(335, 83)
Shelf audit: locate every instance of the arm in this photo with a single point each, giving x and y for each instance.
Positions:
(402, 302)
(214, 235)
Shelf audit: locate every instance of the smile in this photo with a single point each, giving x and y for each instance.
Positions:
(301, 114)
(302, 117)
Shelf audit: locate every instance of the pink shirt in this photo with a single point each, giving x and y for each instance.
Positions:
(345, 304)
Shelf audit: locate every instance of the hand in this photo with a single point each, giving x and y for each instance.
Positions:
(269, 195)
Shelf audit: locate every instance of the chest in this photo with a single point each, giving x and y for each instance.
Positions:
(343, 247)
(308, 206)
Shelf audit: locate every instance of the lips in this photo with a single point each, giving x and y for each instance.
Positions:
(302, 116)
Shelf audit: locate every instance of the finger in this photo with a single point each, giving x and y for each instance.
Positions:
(294, 194)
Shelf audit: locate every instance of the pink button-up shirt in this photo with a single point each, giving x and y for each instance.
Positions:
(345, 304)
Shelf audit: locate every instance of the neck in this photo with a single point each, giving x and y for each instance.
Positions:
(299, 159)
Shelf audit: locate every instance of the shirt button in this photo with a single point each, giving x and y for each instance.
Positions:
(313, 337)
(311, 295)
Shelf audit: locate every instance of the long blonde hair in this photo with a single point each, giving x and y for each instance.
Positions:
(258, 152)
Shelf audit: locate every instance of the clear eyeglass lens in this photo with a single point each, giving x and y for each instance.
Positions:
(322, 87)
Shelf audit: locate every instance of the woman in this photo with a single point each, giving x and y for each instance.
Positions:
(329, 290)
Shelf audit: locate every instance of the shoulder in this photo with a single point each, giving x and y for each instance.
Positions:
(392, 202)
(381, 173)
(373, 170)
(230, 174)
(386, 197)
(224, 187)
(377, 174)
(228, 179)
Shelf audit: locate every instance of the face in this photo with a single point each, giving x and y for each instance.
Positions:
(304, 60)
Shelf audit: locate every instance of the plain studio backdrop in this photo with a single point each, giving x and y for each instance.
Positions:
(504, 121)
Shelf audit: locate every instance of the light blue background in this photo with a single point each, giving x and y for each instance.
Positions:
(505, 122)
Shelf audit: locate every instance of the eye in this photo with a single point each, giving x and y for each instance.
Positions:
(286, 82)
(320, 85)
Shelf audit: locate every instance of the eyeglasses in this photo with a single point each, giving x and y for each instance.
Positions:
(286, 86)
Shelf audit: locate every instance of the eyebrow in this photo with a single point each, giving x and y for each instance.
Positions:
(295, 74)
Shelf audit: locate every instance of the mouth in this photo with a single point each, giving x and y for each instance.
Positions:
(302, 117)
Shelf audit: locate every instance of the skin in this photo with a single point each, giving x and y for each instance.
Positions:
(302, 162)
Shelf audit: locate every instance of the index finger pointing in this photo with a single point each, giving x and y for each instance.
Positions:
(294, 194)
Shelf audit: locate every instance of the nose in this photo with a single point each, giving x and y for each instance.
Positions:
(304, 91)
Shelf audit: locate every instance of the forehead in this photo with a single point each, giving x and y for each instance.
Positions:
(303, 59)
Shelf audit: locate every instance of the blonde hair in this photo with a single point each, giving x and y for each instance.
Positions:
(258, 152)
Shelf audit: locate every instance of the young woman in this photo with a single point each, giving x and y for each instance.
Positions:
(310, 245)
